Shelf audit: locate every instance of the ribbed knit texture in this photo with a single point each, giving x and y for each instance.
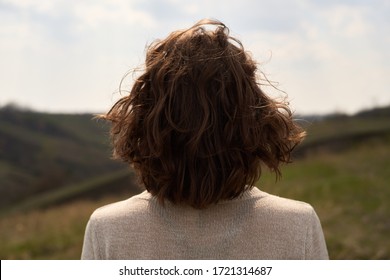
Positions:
(255, 226)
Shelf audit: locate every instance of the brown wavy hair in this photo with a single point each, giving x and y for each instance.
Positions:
(196, 125)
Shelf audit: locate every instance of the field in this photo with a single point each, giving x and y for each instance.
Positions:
(50, 226)
(350, 192)
(343, 170)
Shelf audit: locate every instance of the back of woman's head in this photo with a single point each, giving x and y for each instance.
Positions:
(196, 125)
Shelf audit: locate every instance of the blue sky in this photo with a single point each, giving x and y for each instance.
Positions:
(69, 56)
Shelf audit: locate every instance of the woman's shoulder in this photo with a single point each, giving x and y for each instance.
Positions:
(132, 205)
(292, 221)
(280, 207)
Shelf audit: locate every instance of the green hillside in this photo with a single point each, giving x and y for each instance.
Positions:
(343, 170)
(43, 152)
(337, 133)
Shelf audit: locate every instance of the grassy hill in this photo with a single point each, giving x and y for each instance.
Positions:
(342, 169)
(41, 153)
(339, 132)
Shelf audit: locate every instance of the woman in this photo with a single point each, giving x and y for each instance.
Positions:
(197, 128)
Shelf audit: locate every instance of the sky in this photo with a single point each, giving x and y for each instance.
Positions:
(67, 56)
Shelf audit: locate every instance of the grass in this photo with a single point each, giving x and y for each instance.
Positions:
(53, 233)
(51, 225)
(40, 152)
(72, 191)
(350, 192)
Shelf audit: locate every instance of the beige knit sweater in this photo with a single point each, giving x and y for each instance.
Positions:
(255, 226)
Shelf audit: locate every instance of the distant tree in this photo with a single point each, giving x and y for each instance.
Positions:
(14, 107)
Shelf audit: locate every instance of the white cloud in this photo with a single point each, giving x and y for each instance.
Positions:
(42, 6)
(332, 60)
(114, 12)
(346, 21)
